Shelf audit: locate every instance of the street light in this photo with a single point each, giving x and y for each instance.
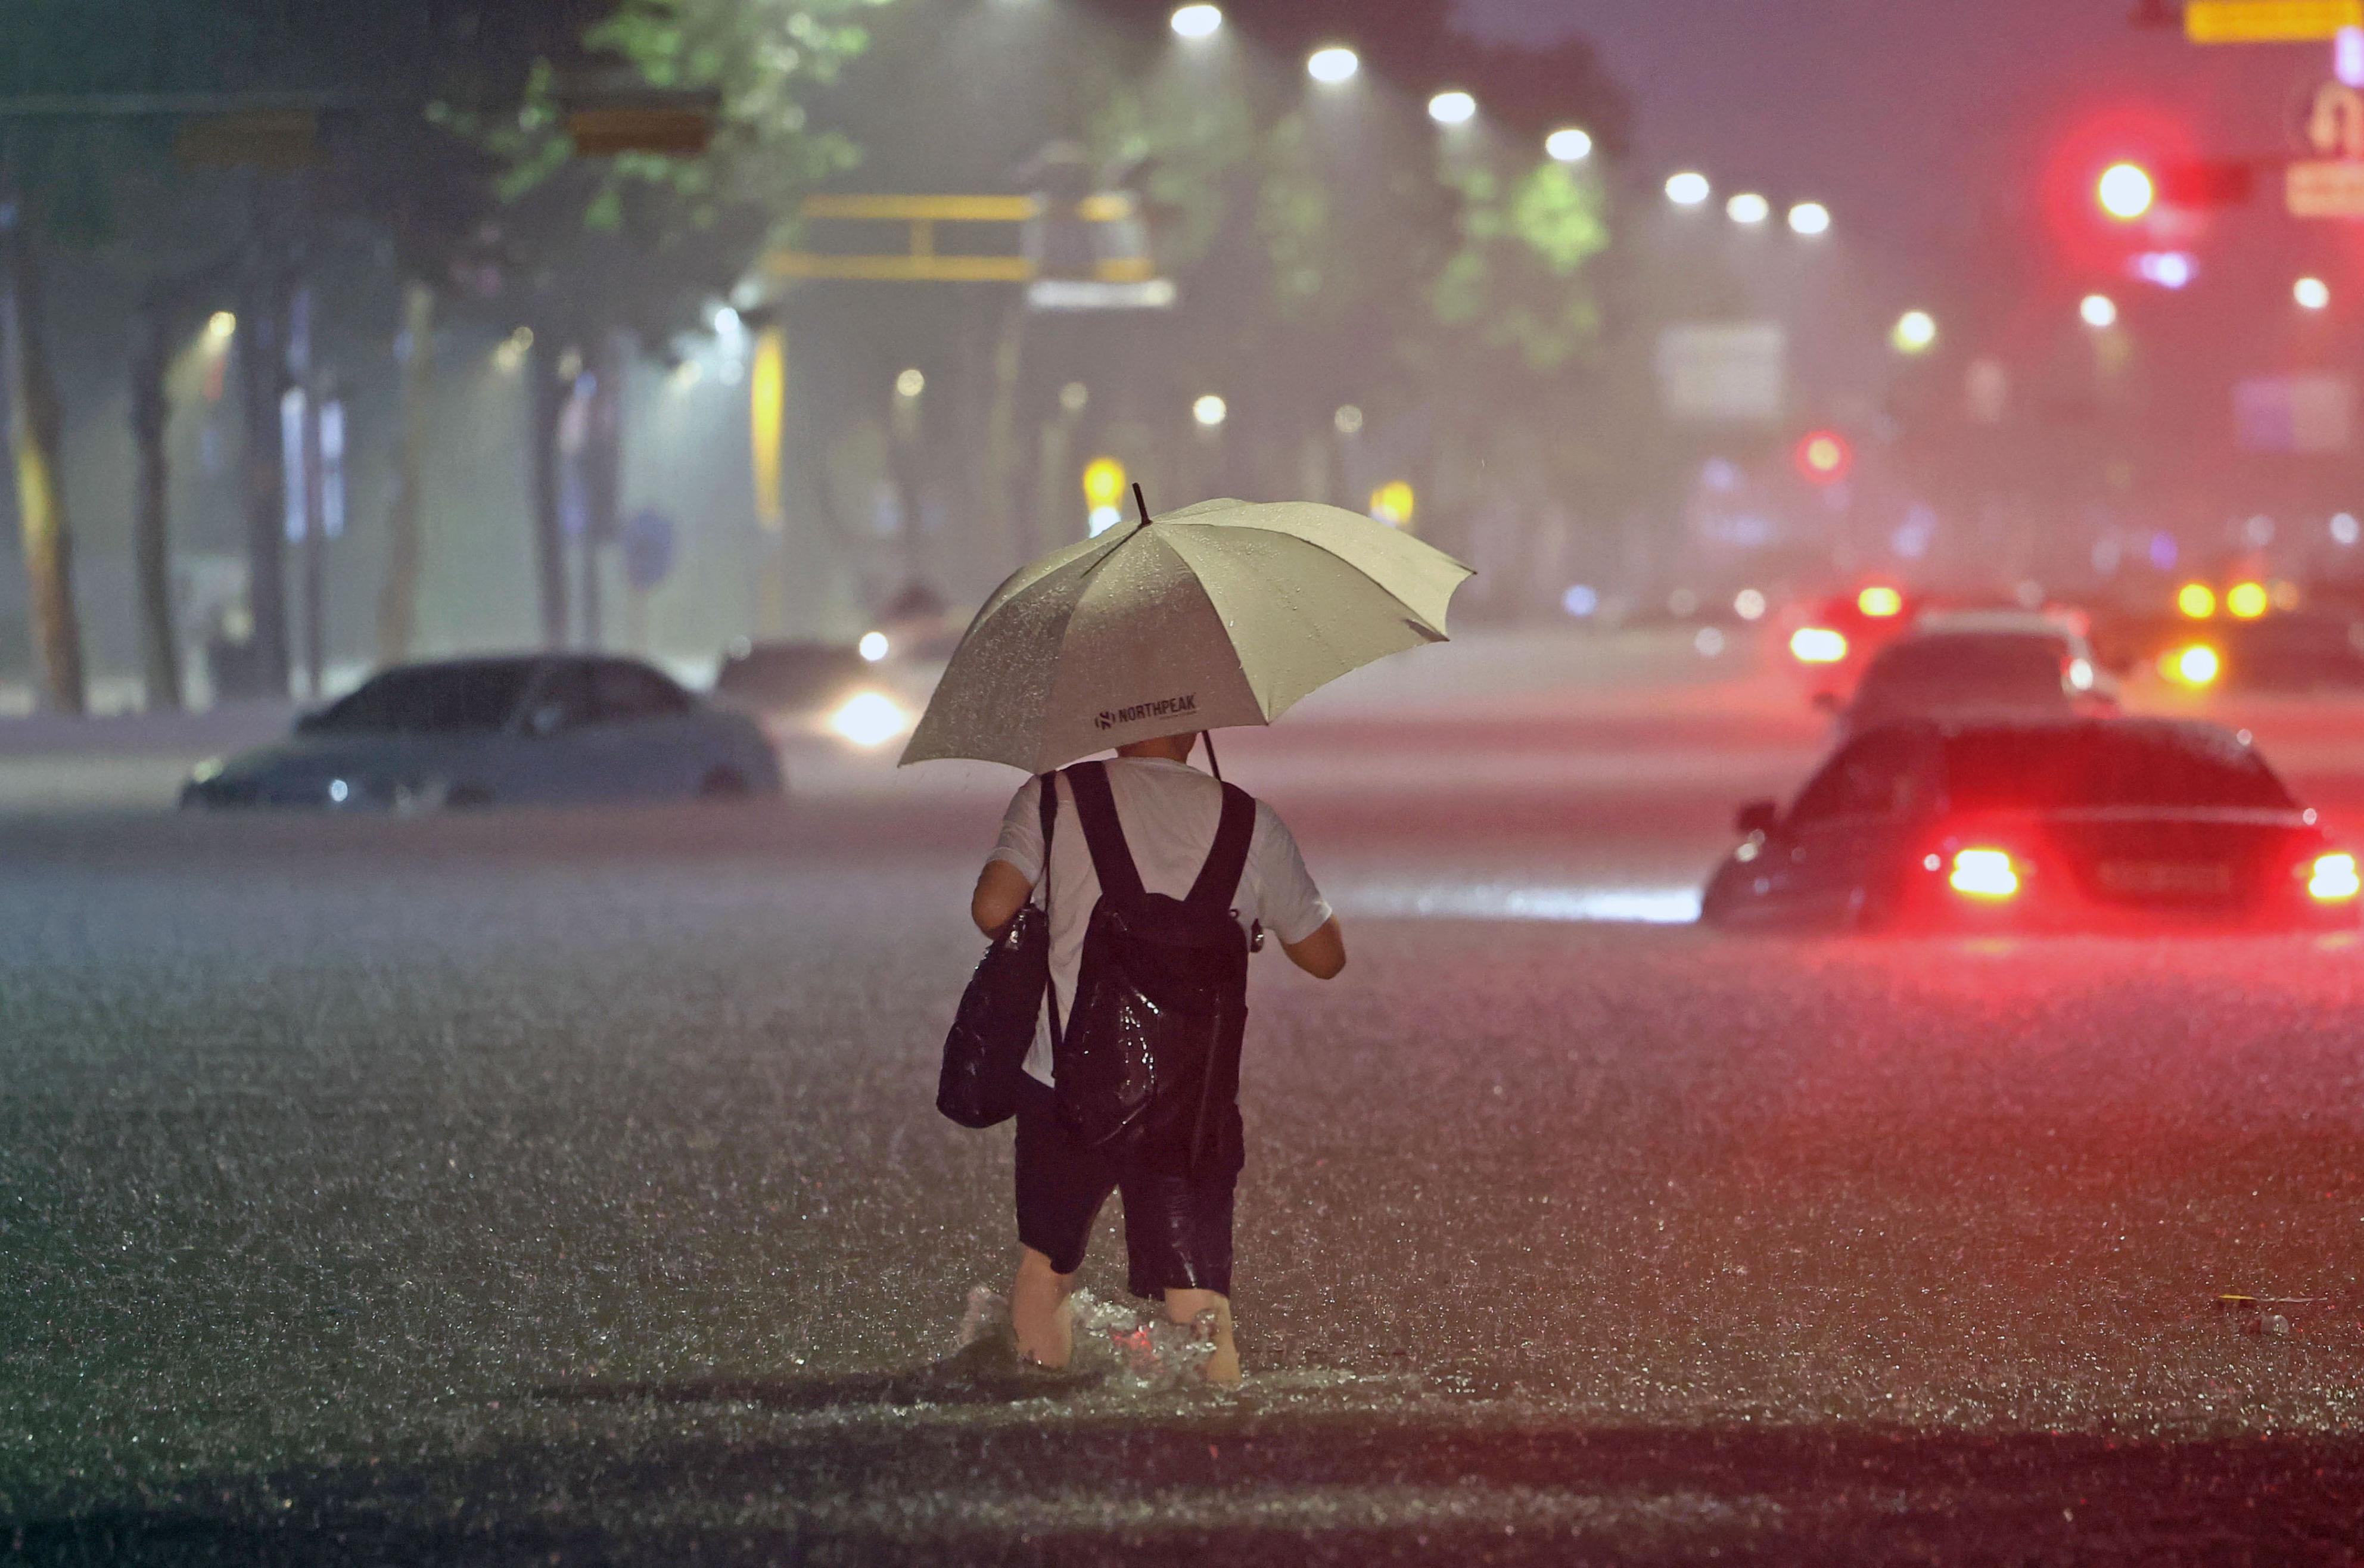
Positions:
(1198, 21)
(910, 384)
(2126, 192)
(2099, 311)
(1209, 411)
(220, 326)
(2312, 293)
(1452, 107)
(1687, 188)
(1916, 332)
(1748, 208)
(1568, 144)
(1347, 420)
(1332, 65)
(1810, 217)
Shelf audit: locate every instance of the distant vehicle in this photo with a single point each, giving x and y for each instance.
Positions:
(848, 691)
(1982, 664)
(1833, 642)
(2069, 824)
(529, 729)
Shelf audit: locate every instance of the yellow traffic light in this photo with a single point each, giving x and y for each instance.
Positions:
(1392, 503)
(1103, 481)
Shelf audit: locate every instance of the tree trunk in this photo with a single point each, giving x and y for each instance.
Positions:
(1001, 455)
(548, 404)
(262, 382)
(40, 491)
(397, 600)
(152, 549)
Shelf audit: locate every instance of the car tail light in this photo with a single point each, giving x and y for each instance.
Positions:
(1817, 645)
(1983, 873)
(2334, 878)
(2194, 666)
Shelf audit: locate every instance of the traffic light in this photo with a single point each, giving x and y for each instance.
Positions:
(2125, 191)
(1823, 457)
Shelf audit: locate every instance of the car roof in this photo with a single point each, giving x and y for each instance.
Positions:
(2065, 727)
(1990, 623)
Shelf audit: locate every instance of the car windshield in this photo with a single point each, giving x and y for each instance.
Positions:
(2103, 765)
(808, 673)
(1998, 664)
(429, 699)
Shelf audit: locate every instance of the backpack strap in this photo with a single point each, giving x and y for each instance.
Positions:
(1049, 800)
(1111, 856)
(1047, 797)
(1219, 879)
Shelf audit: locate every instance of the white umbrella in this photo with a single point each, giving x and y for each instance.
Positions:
(1225, 613)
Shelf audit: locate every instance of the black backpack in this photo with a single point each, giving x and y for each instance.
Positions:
(1148, 1066)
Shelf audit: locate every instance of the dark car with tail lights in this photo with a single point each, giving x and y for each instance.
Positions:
(2072, 824)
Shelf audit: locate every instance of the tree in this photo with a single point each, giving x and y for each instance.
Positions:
(603, 252)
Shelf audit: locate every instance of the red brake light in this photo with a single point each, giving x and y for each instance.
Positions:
(1983, 873)
(1817, 645)
(2334, 879)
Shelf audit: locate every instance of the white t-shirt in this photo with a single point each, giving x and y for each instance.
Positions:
(1169, 812)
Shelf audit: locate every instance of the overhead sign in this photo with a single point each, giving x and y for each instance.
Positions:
(2269, 21)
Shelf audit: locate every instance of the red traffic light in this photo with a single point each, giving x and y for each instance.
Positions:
(1823, 457)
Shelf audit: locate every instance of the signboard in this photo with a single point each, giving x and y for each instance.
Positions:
(647, 547)
(2330, 184)
(2301, 414)
(1724, 372)
(2269, 21)
(2329, 187)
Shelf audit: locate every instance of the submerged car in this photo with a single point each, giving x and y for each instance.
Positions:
(849, 692)
(1981, 664)
(2069, 824)
(529, 729)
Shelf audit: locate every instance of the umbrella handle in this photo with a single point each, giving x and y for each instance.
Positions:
(1146, 517)
(1207, 738)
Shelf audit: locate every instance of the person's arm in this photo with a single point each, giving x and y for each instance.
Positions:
(1322, 954)
(1001, 891)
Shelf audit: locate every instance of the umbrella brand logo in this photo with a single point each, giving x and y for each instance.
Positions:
(1164, 707)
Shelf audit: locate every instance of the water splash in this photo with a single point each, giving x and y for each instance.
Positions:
(1125, 1350)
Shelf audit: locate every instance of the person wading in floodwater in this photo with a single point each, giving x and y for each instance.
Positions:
(1146, 853)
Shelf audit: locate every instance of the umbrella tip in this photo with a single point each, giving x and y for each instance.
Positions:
(1137, 501)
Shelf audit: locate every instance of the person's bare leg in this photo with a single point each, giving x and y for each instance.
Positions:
(1040, 1314)
(1184, 1305)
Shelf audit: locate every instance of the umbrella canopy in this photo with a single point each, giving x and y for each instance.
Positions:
(1223, 614)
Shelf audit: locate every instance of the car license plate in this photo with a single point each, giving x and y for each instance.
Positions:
(2166, 877)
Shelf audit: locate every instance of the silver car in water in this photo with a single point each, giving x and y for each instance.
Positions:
(524, 729)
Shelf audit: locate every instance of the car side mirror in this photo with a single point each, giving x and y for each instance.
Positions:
(1757, 816)
(1827, 702)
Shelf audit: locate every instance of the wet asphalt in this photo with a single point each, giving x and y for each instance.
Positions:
(567, 1188)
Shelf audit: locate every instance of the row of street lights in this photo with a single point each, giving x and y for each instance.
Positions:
(1689, 188)
(1333, 65)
